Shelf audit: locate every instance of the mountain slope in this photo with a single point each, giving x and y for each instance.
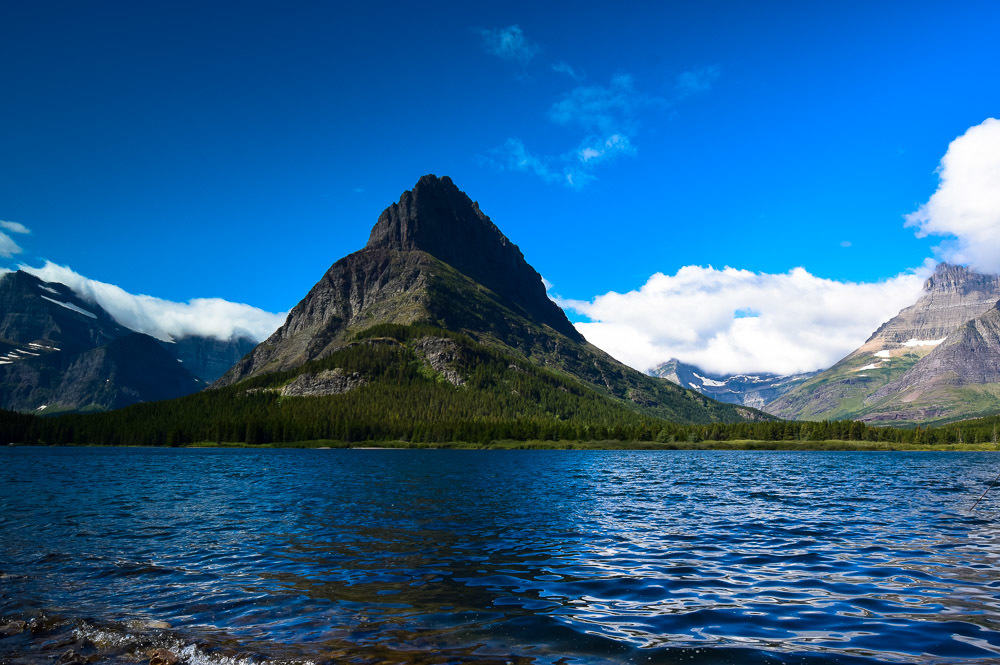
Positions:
(209, 358)
(61, 353)
(952, 296)
(753, 390)
(435, 259)
(960, 378)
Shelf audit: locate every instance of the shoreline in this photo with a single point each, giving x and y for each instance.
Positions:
(748, 444)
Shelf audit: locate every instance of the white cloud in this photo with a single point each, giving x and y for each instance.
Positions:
(566, 169)
(600, 109)
(734, 320)
(966, 205)
(165, 319)
(695, 81)
(565, 68)
(8, 247)
(509, 43)
(612, 146)
(15, 227)
(606, 114)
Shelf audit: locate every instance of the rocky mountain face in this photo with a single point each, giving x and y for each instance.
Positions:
(952, 296)
(753, 390)
(433, 258)
(61, 353)
(209, 358)
(960, 378)
(876, 382)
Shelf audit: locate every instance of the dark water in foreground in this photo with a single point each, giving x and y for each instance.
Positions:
(383, 556)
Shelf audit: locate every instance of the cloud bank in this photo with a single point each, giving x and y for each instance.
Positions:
(731, 320)
(165, 319)
(966, 205)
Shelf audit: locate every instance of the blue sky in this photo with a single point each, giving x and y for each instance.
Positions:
(236, 150)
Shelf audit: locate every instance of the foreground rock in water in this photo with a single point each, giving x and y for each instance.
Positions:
(12, 628)
(163, 657)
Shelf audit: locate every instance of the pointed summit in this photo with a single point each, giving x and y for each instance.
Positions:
(438, 218)
(953, 279)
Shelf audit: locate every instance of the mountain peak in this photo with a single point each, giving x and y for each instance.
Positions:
(435, 216)
(438, 218)
(950, 278)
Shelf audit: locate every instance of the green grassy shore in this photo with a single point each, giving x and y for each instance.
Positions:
(615, 445)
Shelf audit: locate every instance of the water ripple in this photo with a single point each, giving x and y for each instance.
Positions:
(506, 556)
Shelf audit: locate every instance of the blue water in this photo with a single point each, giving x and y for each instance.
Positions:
(502, 556)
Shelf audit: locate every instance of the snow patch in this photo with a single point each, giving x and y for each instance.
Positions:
(69, 305)
(49, 289)
(923, 342)
(707, 381)
(882, 354)
(43, 406)
(872, 366)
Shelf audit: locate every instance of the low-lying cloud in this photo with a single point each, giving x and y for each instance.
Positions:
(732, 320)
(165, 319)
(966, 205)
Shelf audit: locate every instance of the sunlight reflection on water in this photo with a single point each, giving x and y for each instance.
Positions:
(464, 556)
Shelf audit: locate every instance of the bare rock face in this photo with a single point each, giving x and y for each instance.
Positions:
(327, 382)
(959, 378)
(442, 355)
(438, 218)
(952, 296)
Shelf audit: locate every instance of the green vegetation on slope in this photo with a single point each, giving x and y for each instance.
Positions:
(400, 397)
(840, 392)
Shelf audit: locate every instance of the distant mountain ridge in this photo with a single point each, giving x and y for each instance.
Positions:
(753, 390)
(60, 352)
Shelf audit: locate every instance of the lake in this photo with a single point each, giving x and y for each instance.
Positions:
(461, 556)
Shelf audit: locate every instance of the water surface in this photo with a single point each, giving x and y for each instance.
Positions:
(500, 556)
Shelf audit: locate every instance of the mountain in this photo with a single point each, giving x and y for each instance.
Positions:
(61, 353)
(753, 390)
(960, 378)
(434, 260)
(865, 384)
(209, 358)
